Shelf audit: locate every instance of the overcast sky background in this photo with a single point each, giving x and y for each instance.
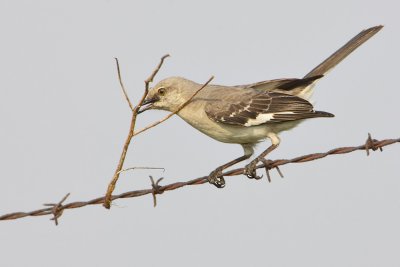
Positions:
(64, 120)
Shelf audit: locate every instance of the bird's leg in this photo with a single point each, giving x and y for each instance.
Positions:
(216, 177)
(250, 169)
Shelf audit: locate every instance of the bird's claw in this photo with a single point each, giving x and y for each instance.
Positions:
(216, 178)
(250, 170)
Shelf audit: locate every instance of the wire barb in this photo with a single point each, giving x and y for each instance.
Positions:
(156, 189)
(57, 209)
(371, 144)
(267, 167)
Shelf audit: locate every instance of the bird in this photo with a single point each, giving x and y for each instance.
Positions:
(247, 114)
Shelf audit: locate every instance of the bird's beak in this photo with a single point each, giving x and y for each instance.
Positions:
(148, 104)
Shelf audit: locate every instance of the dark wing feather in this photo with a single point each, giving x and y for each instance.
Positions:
(291, 86)
(296, 83)
(253, 109)
(267, 85)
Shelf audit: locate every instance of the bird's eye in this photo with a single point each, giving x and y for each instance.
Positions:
(161, 91)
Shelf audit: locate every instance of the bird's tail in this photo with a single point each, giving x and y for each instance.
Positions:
(304, 87)
(334, 59)
(343, 52)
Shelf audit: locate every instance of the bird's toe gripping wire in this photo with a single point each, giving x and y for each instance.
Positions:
(216, 178)
(250, 170)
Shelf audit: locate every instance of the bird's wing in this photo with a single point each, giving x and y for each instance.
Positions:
(251, 108)
(287, 85)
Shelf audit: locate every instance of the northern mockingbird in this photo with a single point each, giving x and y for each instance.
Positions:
(247, 114)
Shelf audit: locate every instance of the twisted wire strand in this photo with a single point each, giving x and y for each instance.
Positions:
(57, 209)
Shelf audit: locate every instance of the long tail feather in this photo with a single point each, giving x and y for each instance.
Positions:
(344, 51)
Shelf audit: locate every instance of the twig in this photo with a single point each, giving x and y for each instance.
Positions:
(176, 111)
(132, 133)
(141, 168)
(111, 185)
(147, 83)
(122, 85)
(201, 180)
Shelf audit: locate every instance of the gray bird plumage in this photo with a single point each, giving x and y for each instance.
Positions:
(247, 114)
(254, 108)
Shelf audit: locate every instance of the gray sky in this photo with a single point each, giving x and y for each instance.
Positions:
(64, 120)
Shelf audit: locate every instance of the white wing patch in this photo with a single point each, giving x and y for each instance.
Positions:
(263, 118)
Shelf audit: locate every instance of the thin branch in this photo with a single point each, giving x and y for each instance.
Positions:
(122, 85)
(176, 111)
(148, 81)
(132, 133)
(155, 71)
(141, 168)
(157, 189)
(111, 185)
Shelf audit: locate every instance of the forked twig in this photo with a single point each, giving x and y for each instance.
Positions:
(132, 133)
(111, 185)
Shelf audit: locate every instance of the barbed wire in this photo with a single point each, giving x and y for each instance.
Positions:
(57, 209)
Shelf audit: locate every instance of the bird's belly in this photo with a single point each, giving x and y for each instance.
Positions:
(234, 134)
(228, 133)
(242, 135)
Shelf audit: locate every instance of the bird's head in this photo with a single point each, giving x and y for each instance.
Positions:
(169, 94)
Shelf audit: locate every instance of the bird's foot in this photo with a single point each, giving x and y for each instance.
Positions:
(250, 169)
(216, 178)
